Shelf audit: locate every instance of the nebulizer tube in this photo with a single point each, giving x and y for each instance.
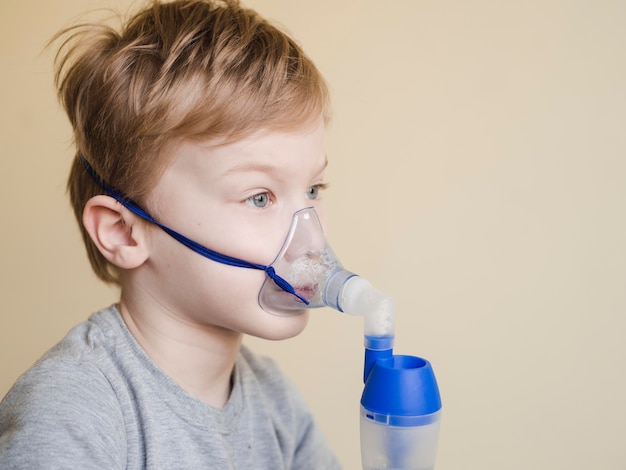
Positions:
(400, 405)
(400, 408)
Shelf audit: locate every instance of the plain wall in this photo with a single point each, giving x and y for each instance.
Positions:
(478, 175)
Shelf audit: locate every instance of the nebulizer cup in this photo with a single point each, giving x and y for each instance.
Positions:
(400, 408)
(400, 415)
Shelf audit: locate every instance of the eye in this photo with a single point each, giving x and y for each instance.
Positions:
(313, 192)
(259, 200)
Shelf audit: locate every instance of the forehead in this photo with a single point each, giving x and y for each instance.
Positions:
(267, 150)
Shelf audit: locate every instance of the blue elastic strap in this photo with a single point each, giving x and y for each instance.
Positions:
(195, 246)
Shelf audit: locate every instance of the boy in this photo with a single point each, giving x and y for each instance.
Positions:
(197, 115)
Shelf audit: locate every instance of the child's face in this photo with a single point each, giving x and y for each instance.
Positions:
(237, 199)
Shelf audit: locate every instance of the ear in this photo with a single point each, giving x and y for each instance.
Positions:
(119, 234)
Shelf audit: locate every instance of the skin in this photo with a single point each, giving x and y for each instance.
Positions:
(190, 313)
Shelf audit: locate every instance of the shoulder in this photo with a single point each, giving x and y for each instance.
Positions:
(70, 375)
(59, 378)
(63, 410)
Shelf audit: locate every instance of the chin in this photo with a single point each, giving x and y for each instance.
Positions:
(282, 327)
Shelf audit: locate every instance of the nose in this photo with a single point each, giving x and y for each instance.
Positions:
(306, 236)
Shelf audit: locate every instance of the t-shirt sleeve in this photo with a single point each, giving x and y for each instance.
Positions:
(61, 417)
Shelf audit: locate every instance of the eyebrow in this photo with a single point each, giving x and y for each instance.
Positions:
(254, 167)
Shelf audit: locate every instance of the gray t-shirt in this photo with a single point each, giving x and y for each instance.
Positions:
(97, 401)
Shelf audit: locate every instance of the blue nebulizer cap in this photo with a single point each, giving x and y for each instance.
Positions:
(400, 413)
(401, 391)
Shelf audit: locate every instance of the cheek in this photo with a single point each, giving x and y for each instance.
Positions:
(256, 244)
(257, 240)
(218, 290)
(232, 288)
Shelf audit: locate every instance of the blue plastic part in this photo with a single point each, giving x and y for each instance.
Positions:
(399, 388)
(376, 347)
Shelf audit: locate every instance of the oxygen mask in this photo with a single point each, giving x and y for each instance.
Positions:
(308, 264)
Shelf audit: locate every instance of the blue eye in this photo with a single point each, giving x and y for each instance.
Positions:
(259, 200)
(313, 192)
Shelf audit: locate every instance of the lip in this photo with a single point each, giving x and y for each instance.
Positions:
(306, 291)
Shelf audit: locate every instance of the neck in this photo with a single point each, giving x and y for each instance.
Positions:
(200, 358)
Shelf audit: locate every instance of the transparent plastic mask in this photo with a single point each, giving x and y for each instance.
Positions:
(306, 262)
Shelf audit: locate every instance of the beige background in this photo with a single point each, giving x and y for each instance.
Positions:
(478, 175)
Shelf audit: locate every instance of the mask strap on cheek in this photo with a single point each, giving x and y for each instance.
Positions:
(195, 246)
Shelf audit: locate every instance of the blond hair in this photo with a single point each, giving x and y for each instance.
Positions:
(181, 70)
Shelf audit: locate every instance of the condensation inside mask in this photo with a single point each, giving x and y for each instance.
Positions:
(306, 262)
